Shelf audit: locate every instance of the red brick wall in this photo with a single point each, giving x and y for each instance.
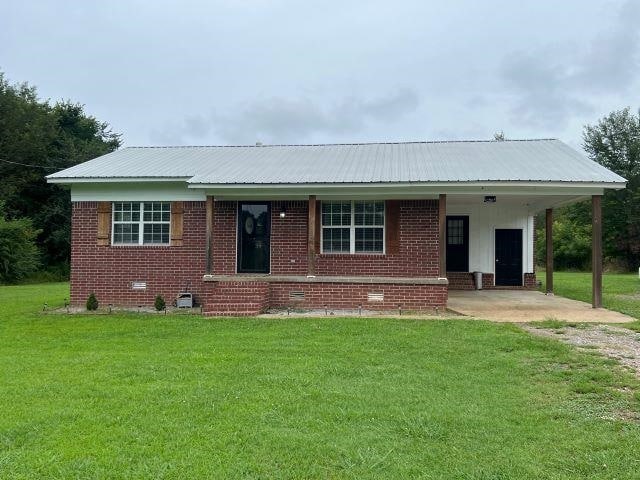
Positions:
(461, 281)
(350, 295)
(417, 251)
(108, 271)
(224, 238)
(289, 238)
(417, 255)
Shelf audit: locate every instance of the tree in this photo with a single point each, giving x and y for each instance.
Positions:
(19, 255)
(37, 138)
(615, 143)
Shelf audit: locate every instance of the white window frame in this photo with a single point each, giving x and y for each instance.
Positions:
(141, 223)
(352, 229)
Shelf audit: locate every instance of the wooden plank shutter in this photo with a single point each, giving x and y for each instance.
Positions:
(177, 214)
(318, 226)
(392, 226)
(103, 235)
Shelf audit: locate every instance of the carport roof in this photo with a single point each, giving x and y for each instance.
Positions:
(544, 160)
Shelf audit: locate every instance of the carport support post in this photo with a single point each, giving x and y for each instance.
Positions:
(596, 251)
(549, 238)
(442, 234)
(209, 230)
(311, 240)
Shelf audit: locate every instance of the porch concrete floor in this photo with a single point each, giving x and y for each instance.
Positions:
(527, 306)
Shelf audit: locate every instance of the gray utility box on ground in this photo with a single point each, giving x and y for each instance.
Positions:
(184, 300)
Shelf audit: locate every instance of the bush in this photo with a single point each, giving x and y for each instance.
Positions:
(160, 304)
(19, 255)
(92, 302)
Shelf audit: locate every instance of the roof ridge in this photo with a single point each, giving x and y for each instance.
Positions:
(417, 142)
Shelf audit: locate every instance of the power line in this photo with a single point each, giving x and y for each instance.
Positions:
(28, 165)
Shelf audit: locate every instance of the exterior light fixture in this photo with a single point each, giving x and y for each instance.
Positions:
(283, 212)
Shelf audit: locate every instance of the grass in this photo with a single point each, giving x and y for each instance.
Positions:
(154, 396)
(620, 292)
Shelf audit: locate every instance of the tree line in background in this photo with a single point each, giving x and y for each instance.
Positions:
(38, 138)
(614, 141)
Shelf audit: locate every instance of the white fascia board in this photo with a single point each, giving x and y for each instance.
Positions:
(407, 191)
(68, 181)
(123, 192)
(408, 185)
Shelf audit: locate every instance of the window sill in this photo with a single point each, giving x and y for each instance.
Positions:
(137, 245)
(356, 254)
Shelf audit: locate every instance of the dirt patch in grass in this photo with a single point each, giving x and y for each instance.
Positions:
(619, 343)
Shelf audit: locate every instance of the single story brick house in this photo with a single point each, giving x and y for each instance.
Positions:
(376, 225)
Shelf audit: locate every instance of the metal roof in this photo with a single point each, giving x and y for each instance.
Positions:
(545, 160)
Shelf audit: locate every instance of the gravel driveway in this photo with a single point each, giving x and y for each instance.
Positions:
(615, 342)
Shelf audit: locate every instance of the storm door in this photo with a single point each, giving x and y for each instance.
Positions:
(253, 237)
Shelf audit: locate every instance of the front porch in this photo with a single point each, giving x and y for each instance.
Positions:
(426, 247)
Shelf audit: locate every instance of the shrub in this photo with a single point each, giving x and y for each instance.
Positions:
(92, 302)
(160, 304)
(19, 256)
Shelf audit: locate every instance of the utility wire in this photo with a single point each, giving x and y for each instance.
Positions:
(27, 165)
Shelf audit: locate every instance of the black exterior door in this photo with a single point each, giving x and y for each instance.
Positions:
(509, 257)
(457, 244)
(254, 237)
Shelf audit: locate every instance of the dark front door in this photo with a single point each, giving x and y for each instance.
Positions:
(458, 244)
(509, 257)
(253, 237)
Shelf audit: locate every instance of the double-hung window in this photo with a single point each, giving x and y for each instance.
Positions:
(141, 223)
(353, 227)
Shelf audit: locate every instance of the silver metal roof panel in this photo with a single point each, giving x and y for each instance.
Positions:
(456, 161)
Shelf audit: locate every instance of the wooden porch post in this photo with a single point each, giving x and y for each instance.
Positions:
(549, 238)
(311, 240)
(209, 227)
(442, 233)
(596, 251)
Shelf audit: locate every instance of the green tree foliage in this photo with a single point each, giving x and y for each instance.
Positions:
(19, 255)
(615, 143)
(571, 242)
(37, 138)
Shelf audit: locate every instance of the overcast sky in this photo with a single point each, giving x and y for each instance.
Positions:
(237, 72)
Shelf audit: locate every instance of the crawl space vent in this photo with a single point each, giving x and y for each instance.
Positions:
(138, 285)
(296, 295)
(375, 297)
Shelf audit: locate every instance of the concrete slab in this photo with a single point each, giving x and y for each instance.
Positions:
(527, 306)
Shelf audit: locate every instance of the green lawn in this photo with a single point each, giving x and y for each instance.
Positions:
(620, 292)
(146, 396)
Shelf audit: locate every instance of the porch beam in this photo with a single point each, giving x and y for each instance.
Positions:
(549, 257)
(442, 234)
(209, 232)
(596, 251)
(311, 240)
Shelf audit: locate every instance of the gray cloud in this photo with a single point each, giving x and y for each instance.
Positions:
(548, 85)
(283, 120)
